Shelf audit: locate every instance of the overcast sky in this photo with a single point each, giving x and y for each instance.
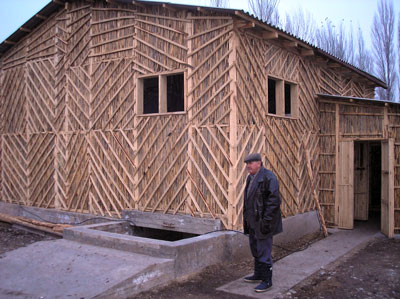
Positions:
(14, 13)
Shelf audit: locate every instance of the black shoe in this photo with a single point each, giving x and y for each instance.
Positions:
(263, 286)
(253, 278)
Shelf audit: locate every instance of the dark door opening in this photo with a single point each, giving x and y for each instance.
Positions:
(375, 181)
(367, 183)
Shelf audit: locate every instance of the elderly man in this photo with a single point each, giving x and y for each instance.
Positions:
(261, 218)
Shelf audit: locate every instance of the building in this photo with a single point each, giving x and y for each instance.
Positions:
(112, 105)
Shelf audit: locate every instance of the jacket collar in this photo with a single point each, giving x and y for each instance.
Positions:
(257, 179)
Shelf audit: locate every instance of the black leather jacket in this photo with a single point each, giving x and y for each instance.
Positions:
(261, 211)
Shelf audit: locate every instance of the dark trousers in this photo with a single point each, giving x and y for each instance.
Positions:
(260, 249)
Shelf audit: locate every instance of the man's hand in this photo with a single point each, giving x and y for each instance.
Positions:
(265, 227)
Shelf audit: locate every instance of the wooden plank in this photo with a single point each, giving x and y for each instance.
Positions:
(182, 223)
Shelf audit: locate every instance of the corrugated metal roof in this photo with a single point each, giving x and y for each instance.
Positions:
(55, 5)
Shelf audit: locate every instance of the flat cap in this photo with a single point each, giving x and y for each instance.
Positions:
(252, 157)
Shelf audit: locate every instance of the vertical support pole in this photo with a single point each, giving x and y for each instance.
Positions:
(90, 167)
(189, 30)
(138, 109)
(337, 136)
(385, 122)
(233, 138)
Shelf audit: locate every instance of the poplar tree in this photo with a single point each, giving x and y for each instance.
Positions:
(219, 3)
(383, 42)
(265, 10)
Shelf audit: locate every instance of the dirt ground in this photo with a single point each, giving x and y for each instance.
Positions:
(372, 272)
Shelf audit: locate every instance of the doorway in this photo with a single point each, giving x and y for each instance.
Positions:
(365, 183)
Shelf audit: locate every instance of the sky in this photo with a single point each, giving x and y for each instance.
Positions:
(14, 13)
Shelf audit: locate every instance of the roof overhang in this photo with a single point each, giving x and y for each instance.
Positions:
(339, 98)
(272, 31)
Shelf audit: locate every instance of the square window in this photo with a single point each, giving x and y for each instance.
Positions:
(163, 93)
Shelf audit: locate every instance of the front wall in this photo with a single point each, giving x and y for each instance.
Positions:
(71, 138)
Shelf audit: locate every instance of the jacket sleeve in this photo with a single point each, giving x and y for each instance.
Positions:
(272, 199)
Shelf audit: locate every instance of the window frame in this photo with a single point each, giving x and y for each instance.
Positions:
(162, 92)
(280, 100)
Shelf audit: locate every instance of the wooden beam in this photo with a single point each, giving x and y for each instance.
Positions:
(270, 35)
(334, 65)
(9, 42)
(290, 44)
(25, 29)
(58, 2)
(248, 25)
(40, 16)
(308, 52)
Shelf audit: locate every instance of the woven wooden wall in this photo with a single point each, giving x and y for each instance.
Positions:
(72, 138)
(394, 132)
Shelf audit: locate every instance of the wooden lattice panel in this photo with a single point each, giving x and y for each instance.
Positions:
(16, 56)
(112, 168)
(14, 169)
(72, 171)
(331, 82)
(210, 87)
(44, 113)
(327, 171)
(283, 158)
(41, 43)
(209, 173)
(162, 144)
(251, 82)
(13, 94)
(309, 75)
(394, 132)
(78, 98)
(40, 168)
(79, 37)
(358, 121)
(282, 64)
(111, 92)
(160, 40)
(112, 31)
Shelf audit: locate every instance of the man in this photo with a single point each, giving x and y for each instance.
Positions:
(261, 218)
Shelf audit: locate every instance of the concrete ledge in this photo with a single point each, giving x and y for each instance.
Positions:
(190, 255)
(49, 215)
(297, 226)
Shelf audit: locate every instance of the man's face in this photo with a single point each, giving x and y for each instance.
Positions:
(253, 167)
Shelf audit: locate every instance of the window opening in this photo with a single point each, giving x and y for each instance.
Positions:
(288, 99)
(150, 95)
(271, 96)
(175, 93)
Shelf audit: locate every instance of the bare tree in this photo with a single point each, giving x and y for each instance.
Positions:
(301, 24)
(398, 42)
(266, 10)
(383, 42)
(336, 40)
(363, 60)
(219, 3)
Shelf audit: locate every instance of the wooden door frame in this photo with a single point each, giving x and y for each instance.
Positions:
(345, 185)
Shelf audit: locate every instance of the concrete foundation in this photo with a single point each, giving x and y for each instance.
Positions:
(179, 258)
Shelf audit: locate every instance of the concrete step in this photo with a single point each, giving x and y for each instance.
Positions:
(67, 269)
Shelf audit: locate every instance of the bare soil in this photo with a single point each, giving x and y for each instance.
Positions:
(12, 238)
(370, 272)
